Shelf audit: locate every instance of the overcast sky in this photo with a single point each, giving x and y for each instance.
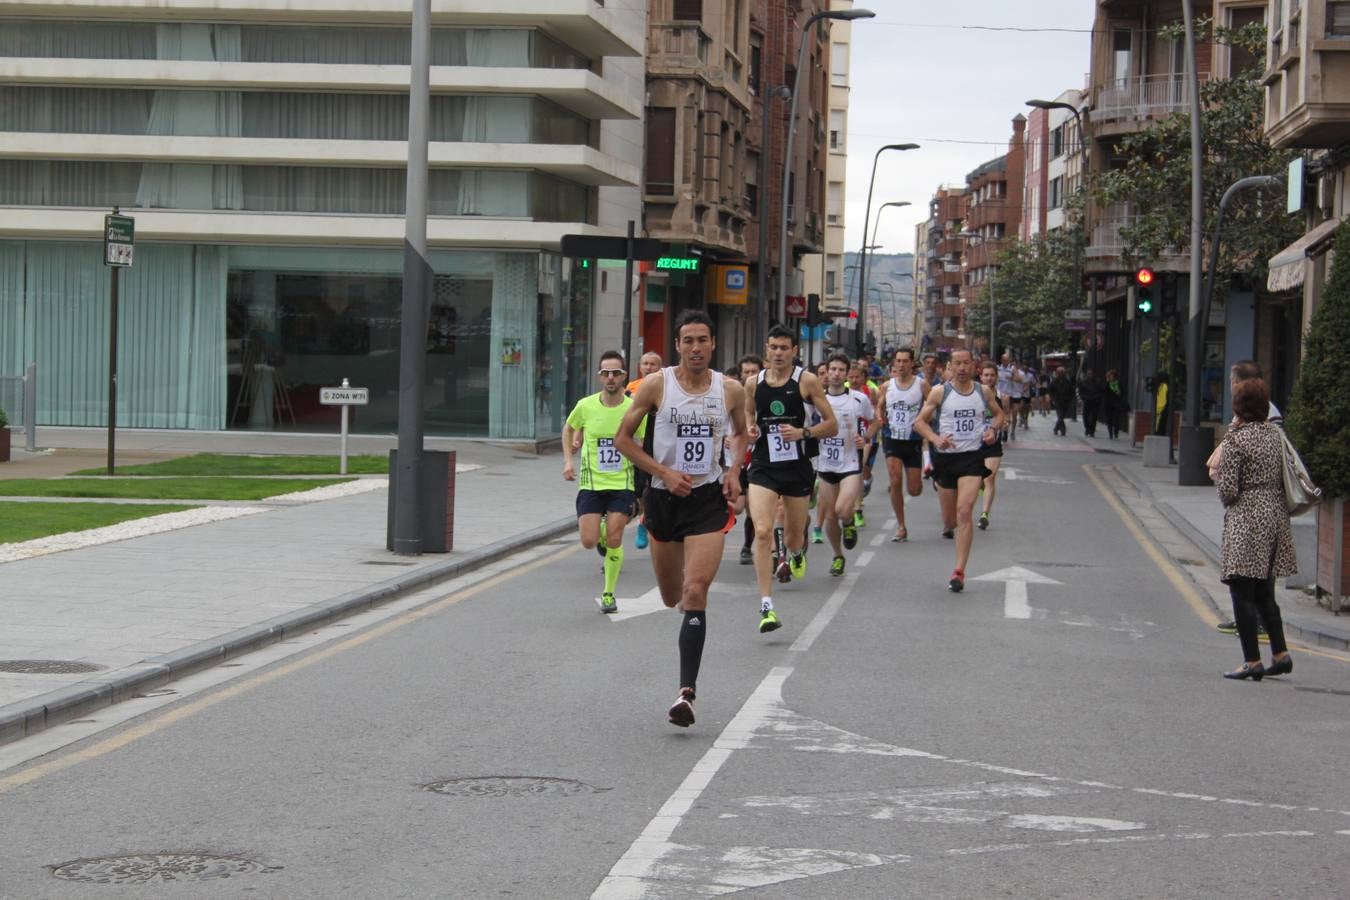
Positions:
(918, 75)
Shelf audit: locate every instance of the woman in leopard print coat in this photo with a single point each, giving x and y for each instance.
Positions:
(1258, 544)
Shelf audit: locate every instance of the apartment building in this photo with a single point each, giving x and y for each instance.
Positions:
(919, 282)
(1307, 83)
(260, 146)
(1053, 166)
(944, 326)
(994, 215)
(824, 272)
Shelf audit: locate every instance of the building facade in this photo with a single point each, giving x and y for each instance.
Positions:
(994, 215)
(261, 149)
(944, 325)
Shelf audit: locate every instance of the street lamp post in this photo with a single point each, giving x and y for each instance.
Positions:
(877, 227)
(783, 92)
(1196, 443)
(1083, 144)
(783, 259)
(862, 258)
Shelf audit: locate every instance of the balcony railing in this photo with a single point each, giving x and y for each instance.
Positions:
(1106, 225)
(1141, 97)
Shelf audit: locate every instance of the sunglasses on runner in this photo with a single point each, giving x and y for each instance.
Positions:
(612, 373)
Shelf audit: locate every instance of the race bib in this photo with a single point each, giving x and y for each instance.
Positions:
(900, 422)
(780, 448)
(832, 452)
(607, 456)
(694, 449)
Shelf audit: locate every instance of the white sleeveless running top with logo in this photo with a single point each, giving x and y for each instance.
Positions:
(962, 417)
(1005, 380)
(902, 407)
(839, 454)
(688, 429)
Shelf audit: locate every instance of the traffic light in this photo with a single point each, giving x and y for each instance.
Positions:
(1143, 292)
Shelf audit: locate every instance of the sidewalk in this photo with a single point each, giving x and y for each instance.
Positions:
(141, 611)
(1196, 513)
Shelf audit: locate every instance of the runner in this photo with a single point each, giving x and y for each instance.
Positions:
(781, 467)
(692, 407)
(839, 464)
(897, 407)
(1028, 386)
(750, 366)
(958, 444)
(993, 453)
(605, 495)
(1009, 382)
(858, 381)
(648, 363)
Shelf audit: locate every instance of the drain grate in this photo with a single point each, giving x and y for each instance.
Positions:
(1061, 565)
(157, 868)
(383, 562)
(511, 786)
(47, 667)
(1191, 562)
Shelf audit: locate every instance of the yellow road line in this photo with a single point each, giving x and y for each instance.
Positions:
(179, 713)
(1184, 585)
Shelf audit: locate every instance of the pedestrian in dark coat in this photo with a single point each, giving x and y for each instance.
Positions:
(1114, 405)
(1090, 390)
(1258, 543)
(1061, 394)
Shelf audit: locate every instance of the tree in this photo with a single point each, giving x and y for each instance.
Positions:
(1155, 177)
(1318, 418)
(1035, 282)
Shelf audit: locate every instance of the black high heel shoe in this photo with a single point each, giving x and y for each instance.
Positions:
(1255, 673)
(1281, 666)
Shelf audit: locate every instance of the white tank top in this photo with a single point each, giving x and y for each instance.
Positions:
(688, 429)
(962, 417)
(839, 454)
(902, 407)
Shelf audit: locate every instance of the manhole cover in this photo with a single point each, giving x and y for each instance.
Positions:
(155, 868)
(511, 786)
(47, 667)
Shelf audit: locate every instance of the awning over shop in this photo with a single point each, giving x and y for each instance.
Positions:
(1286, 267)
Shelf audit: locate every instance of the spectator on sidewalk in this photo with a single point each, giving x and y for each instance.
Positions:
(1258, 543)
(1114, 405)
(1090, 391)
(1061, 392)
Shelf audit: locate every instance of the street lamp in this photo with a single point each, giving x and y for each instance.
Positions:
(1196, 443)
(1083, 144)
(877, 226)
(783, 259)
(862, 259)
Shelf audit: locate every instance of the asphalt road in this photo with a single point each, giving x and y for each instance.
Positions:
(892, 739)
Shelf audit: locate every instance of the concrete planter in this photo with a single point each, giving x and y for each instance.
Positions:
(1333, 562)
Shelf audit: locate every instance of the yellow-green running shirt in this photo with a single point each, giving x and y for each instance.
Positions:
(603, 467)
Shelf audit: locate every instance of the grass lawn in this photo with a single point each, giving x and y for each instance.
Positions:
(227, 464)
(162, 488)
(26, 521)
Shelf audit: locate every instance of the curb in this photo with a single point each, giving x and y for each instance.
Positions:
(29, 717)
(1296, 625)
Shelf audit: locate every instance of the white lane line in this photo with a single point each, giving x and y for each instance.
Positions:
(827, 612)
(625, 880)
(879, 539)
(864, 558)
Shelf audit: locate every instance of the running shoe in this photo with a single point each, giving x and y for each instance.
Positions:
(957, 583)
(850, 537)
(837, 567)
(608, 604)
(984, 521)
(867, 486)
(949, 533)
(817, 536)
(768, 621)
(682, 710)
(1229, 627)
(641, 541)
(797, 565)
(747, 556)
(858, 520)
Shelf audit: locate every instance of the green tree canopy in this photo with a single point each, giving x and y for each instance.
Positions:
(1036, 281)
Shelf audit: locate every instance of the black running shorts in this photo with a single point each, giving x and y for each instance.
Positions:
(993, 450)
(949, 468)
(910, 453)
(601, 502)
(792, 480)
(672, 518)
(836, 477)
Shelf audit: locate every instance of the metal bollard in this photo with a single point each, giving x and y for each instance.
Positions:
(30, 408)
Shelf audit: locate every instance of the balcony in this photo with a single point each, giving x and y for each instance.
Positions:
(1122, 104)
(1307, 85)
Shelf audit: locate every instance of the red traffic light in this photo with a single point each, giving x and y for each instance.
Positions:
(853, 314)
(1143, 277)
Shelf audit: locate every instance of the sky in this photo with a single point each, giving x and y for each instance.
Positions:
(920, 74)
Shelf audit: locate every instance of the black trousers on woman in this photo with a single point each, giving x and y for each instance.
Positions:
(1254, 603)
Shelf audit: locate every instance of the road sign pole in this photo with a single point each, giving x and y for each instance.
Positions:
(346, 411)
(112, 370)
(628, 296)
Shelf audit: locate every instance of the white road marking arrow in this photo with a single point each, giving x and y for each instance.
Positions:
(1016, 579)
(1017, 475)
(651, 602)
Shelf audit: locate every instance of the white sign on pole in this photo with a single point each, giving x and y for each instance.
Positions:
(344, 396)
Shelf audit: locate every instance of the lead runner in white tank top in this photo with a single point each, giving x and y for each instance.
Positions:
(688, 429)
(962, 417)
